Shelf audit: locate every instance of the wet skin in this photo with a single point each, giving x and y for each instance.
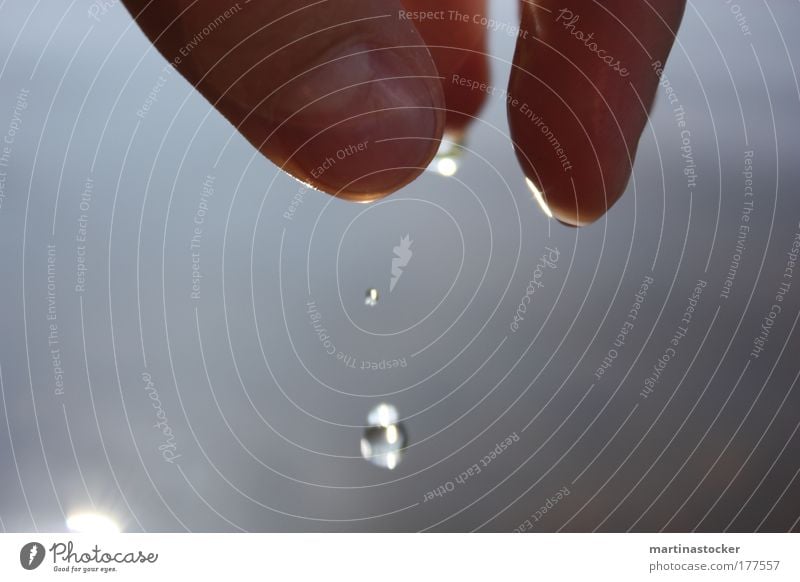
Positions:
(353, 96)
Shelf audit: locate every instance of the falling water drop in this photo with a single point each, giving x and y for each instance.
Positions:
(371, 299)
(382, 415)
(383, 442)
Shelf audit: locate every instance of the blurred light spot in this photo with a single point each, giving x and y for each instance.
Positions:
(451, 149)
(371, 300)
(366, 449)
(382, 443)
(447, 167)
(391, 434)
(539, 198)
(382, 415)
(91, 523)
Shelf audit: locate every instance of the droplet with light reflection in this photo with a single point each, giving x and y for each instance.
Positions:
(371, 299)
(447, 158)
(91, 523)
(383, 442)
(382, 415)
(447, 167)
(539, 197)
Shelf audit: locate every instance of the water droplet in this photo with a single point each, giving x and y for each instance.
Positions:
(371, 299)
(450, 151)
(447, 167)
(384, 441)
(382, 415)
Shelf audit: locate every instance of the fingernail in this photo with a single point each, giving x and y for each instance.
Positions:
(361, 121)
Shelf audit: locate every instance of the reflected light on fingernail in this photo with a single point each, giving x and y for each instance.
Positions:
(539, 197)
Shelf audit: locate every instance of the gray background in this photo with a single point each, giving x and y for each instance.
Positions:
(267, 425)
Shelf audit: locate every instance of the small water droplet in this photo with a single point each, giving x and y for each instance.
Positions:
(382, 443)
(451, 149)
(447, 167)
(382, 415)
(371, 299)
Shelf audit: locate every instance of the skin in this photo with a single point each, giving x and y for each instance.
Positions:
(595, 108)
(353, 98)
(457, 48)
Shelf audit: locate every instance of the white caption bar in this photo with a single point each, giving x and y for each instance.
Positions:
(401, 557)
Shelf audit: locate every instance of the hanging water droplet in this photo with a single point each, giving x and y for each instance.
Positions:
(450, 152)
(384, 441)
(447, 167)
(371, 299)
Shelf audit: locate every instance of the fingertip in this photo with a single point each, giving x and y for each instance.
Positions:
(582, 86)
(364, 124)
(343, 95)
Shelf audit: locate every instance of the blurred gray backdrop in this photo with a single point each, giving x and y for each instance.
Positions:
(186, 346)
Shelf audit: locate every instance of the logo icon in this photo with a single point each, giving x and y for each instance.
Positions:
(31, 555)
(403, 254)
